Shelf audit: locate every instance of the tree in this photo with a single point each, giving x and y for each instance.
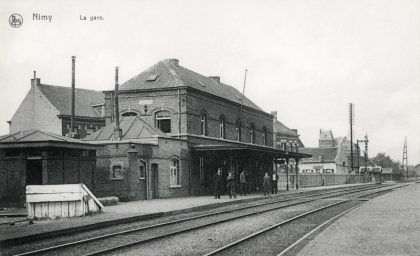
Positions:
(382, 159)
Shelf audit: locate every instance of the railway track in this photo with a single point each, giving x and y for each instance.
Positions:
(171, 228)
(301, 226)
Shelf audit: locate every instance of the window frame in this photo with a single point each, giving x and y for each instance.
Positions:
(142, 164)
(252, 133)
(222, 128)
(158, 120)
(203, 124)
(112, 173)
(175, 173)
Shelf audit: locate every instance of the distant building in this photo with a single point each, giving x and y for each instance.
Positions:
(326, 139)
(284, 137)
(48, 108)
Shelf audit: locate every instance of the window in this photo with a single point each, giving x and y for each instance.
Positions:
(238, 130)
(163, 121)
(283, 145)
(151, 78)
(201, 168)
(129, 114)
(222, 128)
(117, 171)
(174, 180)
(264, 136)
(142, 170)
(252, 133)
(203, 124)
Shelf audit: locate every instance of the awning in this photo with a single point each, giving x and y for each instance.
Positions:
(255, 148)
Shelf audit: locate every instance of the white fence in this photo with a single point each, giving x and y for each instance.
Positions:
(60, 201)
(320, 179)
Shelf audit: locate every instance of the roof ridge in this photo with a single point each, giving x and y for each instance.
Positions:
(173, 72)
(69, 88)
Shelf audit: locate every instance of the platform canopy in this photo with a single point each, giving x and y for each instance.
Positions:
(34, 138)
(255, 148)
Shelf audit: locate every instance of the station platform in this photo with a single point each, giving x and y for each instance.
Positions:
(386, 225)
(16, 227)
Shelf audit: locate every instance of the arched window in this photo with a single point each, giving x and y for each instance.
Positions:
(222, 127)
(142, 170)
(163, 121)
(264, 136)
(238, 130)
(203, 125)
(252, 133)
(129, 114)
(175, 177)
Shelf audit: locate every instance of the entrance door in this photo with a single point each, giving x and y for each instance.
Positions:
(155, 181)
(34, 172)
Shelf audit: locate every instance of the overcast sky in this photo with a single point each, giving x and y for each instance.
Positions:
(307, 59)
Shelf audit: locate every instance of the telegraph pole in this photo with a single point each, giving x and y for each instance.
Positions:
(405, 162)
(351, 118)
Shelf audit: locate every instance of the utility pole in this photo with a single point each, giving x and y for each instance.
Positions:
(405, 162)
(351, 118)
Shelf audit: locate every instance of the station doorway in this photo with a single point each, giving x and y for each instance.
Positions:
(34, 172)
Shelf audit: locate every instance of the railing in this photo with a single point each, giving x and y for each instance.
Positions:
(323, 179)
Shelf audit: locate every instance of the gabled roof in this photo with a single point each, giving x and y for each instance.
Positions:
(279, 127)
(133, 127)
(60, 97)
(327, 154)
(166, 74)
(37, 138)
(326, 135)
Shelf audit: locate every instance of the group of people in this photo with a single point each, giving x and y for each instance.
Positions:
(269, 184)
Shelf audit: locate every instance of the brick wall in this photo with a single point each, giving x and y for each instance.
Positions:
(193, 104)
(131, 187)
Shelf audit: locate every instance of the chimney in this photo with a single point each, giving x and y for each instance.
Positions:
(117, 129)
(215, 78)
(35, 81)
(72, 133)
(174, 62)
(274, 114)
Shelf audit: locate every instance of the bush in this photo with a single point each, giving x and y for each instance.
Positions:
(112, 200)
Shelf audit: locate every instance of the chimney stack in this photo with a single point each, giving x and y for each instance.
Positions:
(215, 78)
(117, 129)
(35, 81)
(72, 133)
(174, 62)
(274, 114)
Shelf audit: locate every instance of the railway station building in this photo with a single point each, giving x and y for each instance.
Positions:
(219, 127)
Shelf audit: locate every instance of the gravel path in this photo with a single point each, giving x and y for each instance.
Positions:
(387, 225)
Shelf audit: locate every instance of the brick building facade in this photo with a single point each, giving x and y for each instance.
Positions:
(48, 108)
(221, 128)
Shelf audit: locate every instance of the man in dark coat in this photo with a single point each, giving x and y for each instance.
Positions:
(218, 183)
(230, 184)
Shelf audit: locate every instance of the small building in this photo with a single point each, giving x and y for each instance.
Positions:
(34, 157)
(48, 108)
(143, 163)
(324, 160)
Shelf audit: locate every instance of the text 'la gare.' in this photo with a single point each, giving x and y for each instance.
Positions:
(91, 18)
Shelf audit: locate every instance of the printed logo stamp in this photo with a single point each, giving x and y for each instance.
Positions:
(15, 20)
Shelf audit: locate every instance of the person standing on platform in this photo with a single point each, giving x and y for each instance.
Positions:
(230, 184)
(242, 183)
(274, 181)
(266, 184)
(218, 183)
